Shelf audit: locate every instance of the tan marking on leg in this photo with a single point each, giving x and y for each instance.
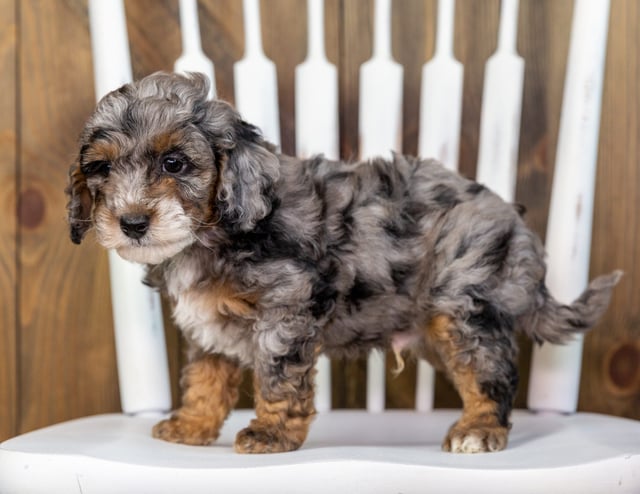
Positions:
(281, 425)
(436, 332)
(210, 390)
(478, 429)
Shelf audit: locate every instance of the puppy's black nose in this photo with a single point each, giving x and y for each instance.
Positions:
(134, 225)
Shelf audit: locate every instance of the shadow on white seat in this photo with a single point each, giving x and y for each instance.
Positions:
(346, 451)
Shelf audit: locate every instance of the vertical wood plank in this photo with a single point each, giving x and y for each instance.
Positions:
(475, 40)
(8, 180)
(222, 34)
(67, 361)
(413, 31)
(284, 30)
(543, 41)
(611, 360)
(356, 47)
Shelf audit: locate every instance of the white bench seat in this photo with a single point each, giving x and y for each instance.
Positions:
(347, 451)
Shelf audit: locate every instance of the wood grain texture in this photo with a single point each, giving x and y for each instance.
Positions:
(67, 361)
(63, 364)
(8, 180)
(611, 360)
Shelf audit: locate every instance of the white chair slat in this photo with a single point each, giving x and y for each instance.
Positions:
(441, 95)
(193, 58)
(316, 93)
(555, 370)
(255, 79)
(501, 109)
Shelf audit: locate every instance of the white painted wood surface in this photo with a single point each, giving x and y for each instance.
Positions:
(143, 370)
(555, 370)
(316, 86)
(441, 95)
(255, 79)
(193, 58)
(347, 451)
(501, 109)
(381, 78)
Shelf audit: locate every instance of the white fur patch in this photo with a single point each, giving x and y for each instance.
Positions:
(470, 443)
(169, 230)
(199, 319)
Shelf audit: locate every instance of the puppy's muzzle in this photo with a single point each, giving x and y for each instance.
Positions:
(134, 226)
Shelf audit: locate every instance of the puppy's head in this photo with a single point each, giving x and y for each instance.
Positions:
(159, 163)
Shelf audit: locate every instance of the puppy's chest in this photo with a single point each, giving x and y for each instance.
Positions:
(211, 314)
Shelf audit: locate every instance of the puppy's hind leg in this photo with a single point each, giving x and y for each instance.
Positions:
(210, 390)
(485, 376)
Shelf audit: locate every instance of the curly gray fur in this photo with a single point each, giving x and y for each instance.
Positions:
(303, 254)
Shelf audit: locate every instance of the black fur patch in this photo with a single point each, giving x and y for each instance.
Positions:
(400, 274)
(445, 196)
(97, 135)
(463, 247)
(247, 132)
(406, 224)
(498, 250)
(361, 290)
(323, 292)
(475, 188)
(129, 122)
(489, 318)
(503, 392)
(385, 188)
(521, 209)
(267, 241)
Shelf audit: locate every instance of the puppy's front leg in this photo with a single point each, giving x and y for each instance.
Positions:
(284, 406)
(209, 392)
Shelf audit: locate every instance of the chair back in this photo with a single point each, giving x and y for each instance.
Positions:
(555, 370)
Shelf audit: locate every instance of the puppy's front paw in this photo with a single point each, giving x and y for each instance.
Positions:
(475, 439)
(195, 431)
(264, 439)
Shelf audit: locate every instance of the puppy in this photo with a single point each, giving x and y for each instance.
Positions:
(268, 260)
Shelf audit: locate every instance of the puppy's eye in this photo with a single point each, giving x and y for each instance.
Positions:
(99, 167)
(173, 164)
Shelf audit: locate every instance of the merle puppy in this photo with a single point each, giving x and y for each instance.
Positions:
(269, 260)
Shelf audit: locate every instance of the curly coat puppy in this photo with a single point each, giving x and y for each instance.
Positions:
(268, 260)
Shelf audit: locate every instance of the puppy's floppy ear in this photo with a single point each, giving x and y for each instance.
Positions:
(80, 204)
(249, 167)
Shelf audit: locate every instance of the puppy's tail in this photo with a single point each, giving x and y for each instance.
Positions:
(556, 323)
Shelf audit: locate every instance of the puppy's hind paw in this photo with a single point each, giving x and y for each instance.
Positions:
(195, 431)
(478, 439)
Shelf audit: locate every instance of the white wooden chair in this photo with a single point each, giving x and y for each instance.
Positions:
(551, 450)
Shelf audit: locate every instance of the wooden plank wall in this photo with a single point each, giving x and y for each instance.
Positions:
(8, 237)
(57, 356)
